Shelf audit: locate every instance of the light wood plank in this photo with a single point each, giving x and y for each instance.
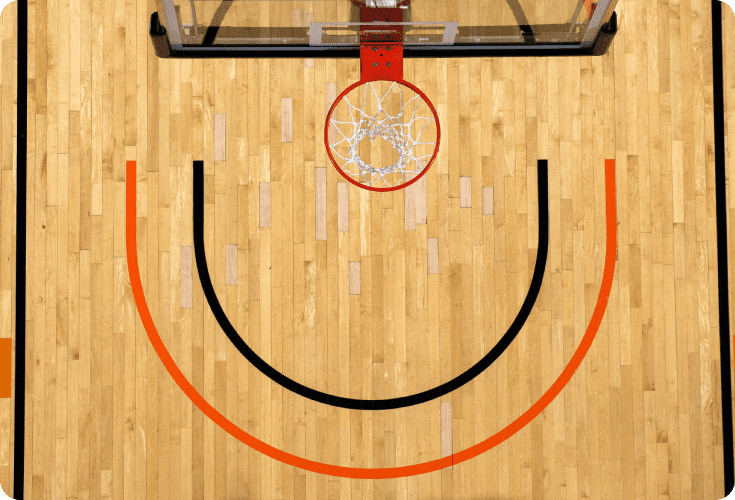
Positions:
(445, 410)
(487, 201)
(421, 193)
(220, 146)
(355, 278)
(343, 207)
(231, 265)
(465, 192)
(409, 202)
(321, 203)
(265, 204)
(286, 119)
(433, 256)
(187, 260)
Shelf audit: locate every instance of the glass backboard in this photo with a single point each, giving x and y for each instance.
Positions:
(430, 28)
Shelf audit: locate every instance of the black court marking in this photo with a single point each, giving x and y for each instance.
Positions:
(20, 253)
(722, 278)
(372, 404)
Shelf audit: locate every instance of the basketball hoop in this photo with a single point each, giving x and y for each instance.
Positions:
(382, 105)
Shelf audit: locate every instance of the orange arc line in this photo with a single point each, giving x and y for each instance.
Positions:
(366, 473)
(6, 358)
(588, 7)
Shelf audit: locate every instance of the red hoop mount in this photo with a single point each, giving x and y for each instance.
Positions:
(381, 46)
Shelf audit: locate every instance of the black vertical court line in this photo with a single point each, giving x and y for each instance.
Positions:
(372, 404)
(722, 278)
(20, 253)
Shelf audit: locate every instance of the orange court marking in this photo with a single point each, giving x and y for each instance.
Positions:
(590, 8)
(388, 472)
(6, 347)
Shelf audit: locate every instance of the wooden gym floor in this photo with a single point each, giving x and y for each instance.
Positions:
(365, 295)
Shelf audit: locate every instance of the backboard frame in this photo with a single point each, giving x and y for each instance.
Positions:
(166, 34)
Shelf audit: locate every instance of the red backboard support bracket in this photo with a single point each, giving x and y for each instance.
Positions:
(381, 61)
(381, 45)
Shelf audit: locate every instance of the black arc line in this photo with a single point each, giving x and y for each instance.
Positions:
(372, 404)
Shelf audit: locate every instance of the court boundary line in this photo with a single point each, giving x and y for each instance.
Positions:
(20, 250)
(726, 339)
(367, 473)
(373, 404)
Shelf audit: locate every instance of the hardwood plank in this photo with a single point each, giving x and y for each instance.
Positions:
(321, 203)
(487, 201)
(264, 202)
(465, 192)
(220, 143)
(187, 260)
(433, 260)
(286, 119)
(343, 207)
(446, 428)
(231, 265)
(355, 278)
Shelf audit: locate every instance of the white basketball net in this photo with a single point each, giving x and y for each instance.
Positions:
(398, 130)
